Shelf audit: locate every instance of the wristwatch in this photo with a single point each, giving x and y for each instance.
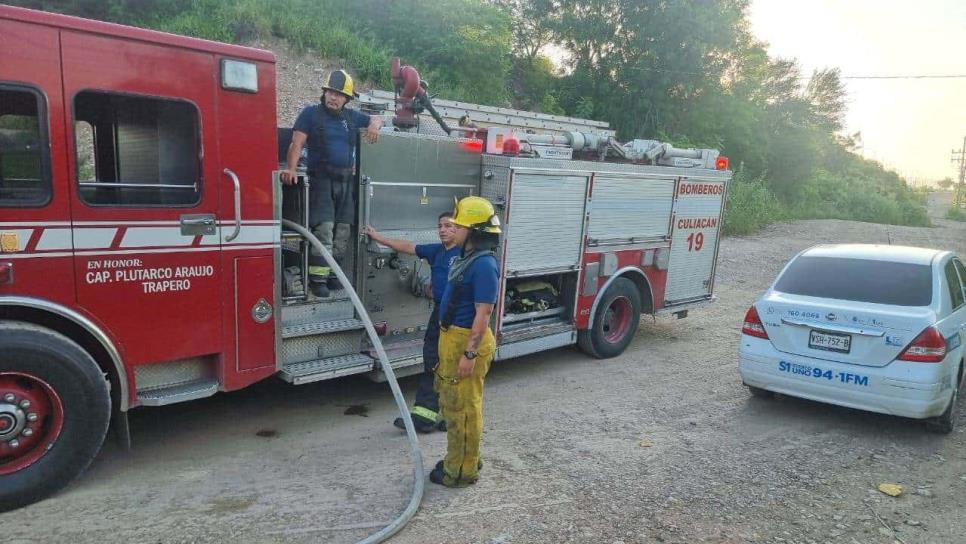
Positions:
(469, 354)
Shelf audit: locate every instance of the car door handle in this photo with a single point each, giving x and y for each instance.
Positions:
(197, 221)
(198, 224)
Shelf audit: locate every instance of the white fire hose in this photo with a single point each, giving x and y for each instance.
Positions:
(419, 475)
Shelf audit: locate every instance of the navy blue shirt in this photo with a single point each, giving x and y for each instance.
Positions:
(340, 146)
(439, 259)
(481, 283)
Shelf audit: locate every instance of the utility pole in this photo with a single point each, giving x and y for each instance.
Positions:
(960, 157)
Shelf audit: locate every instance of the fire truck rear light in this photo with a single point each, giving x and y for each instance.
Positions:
(753, 325)
(381, 328)
(237, 75)
(928, 347)
(721, 163)
(6, 273)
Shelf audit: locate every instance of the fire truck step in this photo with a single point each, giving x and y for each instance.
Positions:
(321, 327)
(178, 393)
(337, 306)
(324, 369)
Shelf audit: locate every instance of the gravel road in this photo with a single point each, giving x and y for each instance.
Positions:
(661, 444)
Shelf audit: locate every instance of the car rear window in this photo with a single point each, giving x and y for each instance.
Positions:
(860, 280)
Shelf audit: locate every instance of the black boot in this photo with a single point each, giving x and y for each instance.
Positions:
(437, 475)
(319, 289)
(421, 424)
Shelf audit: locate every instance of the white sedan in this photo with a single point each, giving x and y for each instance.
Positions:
(872, 327)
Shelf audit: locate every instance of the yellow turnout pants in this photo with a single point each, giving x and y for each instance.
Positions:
(461, 402)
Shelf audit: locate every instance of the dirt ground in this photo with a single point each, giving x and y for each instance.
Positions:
(661, 444)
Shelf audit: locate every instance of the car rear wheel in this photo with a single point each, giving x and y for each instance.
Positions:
(54, 412)
(946, 422)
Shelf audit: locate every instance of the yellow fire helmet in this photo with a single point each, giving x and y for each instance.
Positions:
(474, 212)
(341, 82)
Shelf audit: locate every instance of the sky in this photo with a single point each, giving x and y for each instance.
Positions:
(909, 125)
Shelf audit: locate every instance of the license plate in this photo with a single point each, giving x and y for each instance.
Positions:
(827, 341)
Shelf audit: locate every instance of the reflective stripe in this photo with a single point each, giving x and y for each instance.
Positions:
(319, 270)
(424, 413)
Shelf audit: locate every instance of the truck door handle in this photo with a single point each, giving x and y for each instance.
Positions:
(198, 224)
(234, 180)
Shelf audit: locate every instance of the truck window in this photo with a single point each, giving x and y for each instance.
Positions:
(24, 159)
(136, 151)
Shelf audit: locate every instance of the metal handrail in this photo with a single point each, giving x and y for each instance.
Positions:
(234, 179)
(113, 185)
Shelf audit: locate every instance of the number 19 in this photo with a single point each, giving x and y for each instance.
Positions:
(695, 241)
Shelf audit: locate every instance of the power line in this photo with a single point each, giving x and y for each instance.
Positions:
(924, 76)
(905, 76)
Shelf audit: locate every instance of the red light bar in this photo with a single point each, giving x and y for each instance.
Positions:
(721, 163)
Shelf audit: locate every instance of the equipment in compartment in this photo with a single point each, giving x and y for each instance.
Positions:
(528, 296)
(535, 300)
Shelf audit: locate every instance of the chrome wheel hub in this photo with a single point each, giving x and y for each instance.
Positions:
(13, 421)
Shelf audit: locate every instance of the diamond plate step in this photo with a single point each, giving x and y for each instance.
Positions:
(336, 306)
(321, 327)
(179, 393)
(321, 346)
(326, 369)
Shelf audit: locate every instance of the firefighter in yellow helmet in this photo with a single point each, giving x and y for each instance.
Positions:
(466, 343)
(329, 130)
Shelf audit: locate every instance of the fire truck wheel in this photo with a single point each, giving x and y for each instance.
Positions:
(54, 412)
(615, 321)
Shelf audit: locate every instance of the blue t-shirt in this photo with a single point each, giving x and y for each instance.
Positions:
(481, 283)
(439, 259)
(340, 152)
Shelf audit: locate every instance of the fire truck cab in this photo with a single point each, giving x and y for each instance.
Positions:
(143, 261)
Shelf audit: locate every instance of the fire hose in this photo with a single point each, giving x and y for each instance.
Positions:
(418, 472)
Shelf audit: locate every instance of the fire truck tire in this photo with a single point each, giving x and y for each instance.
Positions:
(615, 321)
(55, 409)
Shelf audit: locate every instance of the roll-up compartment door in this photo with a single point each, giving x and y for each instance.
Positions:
(545, 226)
(630, 209)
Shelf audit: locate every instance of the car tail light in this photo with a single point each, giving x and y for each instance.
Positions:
(928, 347)
(753, 325)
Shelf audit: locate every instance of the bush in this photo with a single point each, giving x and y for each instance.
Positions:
(856, 198)
(750, 206)
(956, 214)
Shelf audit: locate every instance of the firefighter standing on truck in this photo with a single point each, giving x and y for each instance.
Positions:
(329, 130)
(425, 412)
(466, 343)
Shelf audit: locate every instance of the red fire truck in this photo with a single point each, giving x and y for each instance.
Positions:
(143, 261)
